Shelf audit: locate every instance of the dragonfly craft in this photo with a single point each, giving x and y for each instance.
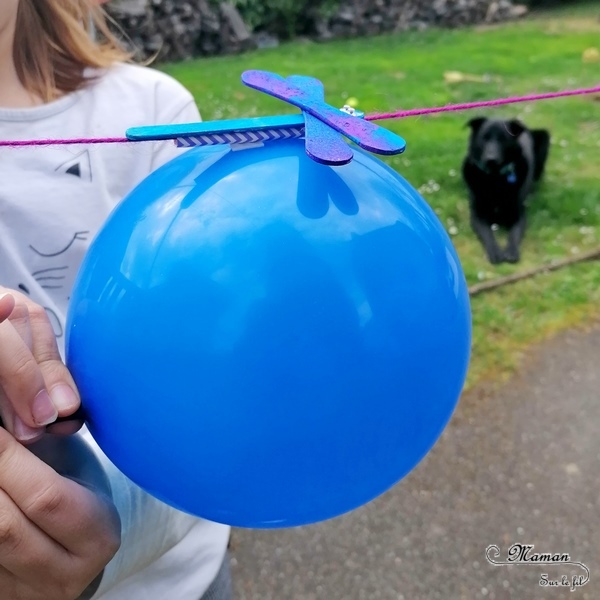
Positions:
(322, 126)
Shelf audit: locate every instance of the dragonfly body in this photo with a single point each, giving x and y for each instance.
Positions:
(306, 93)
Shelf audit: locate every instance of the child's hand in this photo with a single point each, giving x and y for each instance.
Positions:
(56, 536)
(35, 385)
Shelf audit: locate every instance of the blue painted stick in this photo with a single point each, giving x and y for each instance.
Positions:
(172, 132)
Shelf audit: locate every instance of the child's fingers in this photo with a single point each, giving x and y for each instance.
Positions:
(56, 393)
(7, 303)
(19, 318)
(15, 424)
(55, 535)
(22, 381)
(58, 380)
(24, 548)
(82, 522)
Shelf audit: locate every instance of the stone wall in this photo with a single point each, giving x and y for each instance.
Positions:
(180, 29)
(369, 17)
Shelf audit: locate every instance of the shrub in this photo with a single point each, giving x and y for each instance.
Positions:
(285, 18)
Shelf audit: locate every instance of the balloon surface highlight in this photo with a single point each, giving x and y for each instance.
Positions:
(265, 341)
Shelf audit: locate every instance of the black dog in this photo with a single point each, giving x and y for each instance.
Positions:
(503, 162)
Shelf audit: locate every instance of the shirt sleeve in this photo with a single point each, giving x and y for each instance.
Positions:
(159, 545)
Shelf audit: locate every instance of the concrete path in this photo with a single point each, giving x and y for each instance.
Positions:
(517, 466)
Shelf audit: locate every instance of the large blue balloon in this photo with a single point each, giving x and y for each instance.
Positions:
(265, 341)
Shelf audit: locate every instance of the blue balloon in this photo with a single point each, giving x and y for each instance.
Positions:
(265, 341)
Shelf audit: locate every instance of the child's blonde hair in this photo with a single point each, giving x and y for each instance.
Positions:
(54, 44)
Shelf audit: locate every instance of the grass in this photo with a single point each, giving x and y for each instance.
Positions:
(538, 54)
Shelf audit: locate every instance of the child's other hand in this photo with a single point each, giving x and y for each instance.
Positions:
(35, 385)
(56, 536)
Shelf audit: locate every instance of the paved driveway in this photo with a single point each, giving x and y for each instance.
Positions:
(517, 466)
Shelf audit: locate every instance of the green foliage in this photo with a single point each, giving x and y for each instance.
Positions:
(286, 18)
(271, 14)
(385, 73)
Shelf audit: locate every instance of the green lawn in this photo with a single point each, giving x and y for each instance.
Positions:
(542, 53)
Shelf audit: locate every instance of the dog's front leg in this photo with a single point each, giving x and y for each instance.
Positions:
(486, 236)
(515, 237)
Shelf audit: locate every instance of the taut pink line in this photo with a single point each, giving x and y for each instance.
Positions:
(373, 117)
(64, 142)
(484, 104)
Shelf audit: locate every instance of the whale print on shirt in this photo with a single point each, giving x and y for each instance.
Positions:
(55, 264)
(78, 235)
(58, 274)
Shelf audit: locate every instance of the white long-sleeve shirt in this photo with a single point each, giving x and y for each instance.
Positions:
(52, 202)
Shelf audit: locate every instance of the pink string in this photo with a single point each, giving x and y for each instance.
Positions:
(471, 105)
(374, 117)
(64, 142)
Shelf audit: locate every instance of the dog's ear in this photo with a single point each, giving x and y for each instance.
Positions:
(515, 127)
(476, 123)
